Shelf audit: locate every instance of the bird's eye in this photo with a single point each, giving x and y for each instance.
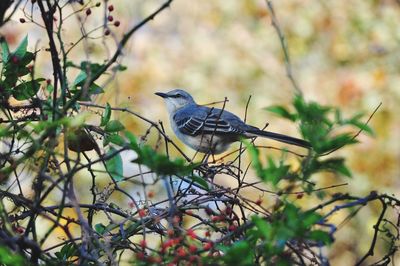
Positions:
(178, 95)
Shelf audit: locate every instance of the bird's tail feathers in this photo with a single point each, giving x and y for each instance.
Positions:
(278, 137)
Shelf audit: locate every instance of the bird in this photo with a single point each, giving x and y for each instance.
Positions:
(212, 130)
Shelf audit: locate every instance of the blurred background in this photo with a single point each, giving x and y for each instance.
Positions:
(344, 53)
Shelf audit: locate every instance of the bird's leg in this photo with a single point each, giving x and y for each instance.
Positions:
(205, 158)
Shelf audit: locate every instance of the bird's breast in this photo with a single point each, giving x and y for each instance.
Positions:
(205, 143)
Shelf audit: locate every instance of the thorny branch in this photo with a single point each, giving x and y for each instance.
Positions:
(98, 230)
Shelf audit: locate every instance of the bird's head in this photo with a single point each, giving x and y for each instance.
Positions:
(176, 99)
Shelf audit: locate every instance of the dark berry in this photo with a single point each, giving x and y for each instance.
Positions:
(117, 23)
(15, 59)
(88, 11)
(22, 20)
(110, 8)
(110, 18)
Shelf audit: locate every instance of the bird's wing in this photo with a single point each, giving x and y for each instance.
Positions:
(212, 123)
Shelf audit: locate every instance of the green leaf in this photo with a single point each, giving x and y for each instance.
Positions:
(106, 115)
(70, 64)
(254, 153)
(132, 227)
(114, 126)
(322, 236)
(132, 140)
(100, 228)
(275, 173)
(334, 165)
(199, 181)
(114, 165)
(120, 68)
(336, 142)
(114, 138)
(311, 112)
(5, 90)
(26, 59)
(364, 127)
(26, 90)
(85, 95)
(21, 49)
(310, 218)
(49, 88)
(159, 163)
(8, 257)
(95, 89)
(89, 67)
(240, 253)
(281, 111)
(5, 51)
(263, 227)
(67, 251)
(80, 79)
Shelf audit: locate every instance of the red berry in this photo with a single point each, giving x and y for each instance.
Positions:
(167, 244)
(117, 23)
(192, 248)
(19, 230)
(157, 260)
(110, 18)
(15, 59)
(217, 218)
(181, 252)
(48, 81)
(22, 20)
(192, 258)
(176, 241)
(110, 8)
(232, 228)
(170, 232)
(88, 12)
(207, 246)
(107, 32)
(142, 213)
(258, 202)
(299, 195)
(209, 211)
(140, 256)
(143, 243)
(191, 233)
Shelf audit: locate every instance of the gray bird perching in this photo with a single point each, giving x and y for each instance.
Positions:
(212, 130)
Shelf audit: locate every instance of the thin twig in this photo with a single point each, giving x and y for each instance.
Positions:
(285, 48)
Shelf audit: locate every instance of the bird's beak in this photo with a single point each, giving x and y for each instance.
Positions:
(161, 94)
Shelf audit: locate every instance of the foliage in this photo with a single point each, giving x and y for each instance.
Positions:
(102, 206)
(9, 258)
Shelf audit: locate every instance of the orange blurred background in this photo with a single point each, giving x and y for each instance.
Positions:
(344, 53)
